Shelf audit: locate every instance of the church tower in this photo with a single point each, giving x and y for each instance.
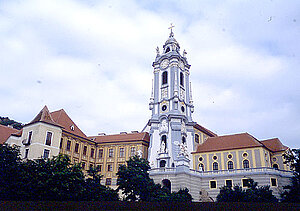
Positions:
(171, 125)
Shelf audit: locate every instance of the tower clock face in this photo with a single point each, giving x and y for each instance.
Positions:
(164, 63)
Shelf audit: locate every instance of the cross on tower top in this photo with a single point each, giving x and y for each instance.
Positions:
(171, 28)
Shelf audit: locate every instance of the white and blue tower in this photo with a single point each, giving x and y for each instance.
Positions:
(171, 125)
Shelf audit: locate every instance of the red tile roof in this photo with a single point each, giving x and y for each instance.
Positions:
(5, 132)
(44, 116)
(274, 145)
(62, 118)
(229, 142)
(205, 130)
(121, 137)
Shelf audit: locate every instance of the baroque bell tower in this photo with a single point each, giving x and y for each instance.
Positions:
(171, 125)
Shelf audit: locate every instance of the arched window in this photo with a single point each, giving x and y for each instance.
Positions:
(201, 167)
(167, 50)
(215, 166)
(183, 140)
(162, 163)
(230, 165)
(197, 138)
(166, 183)
(181, 79)
(246, 164)
(275, 166)
(165, 77)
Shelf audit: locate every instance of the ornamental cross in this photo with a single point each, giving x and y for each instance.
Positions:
(171, 27)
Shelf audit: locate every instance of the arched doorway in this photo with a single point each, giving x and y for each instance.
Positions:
(167, 184)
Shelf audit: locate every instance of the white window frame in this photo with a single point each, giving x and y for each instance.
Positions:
(50, 138)
(49, 151)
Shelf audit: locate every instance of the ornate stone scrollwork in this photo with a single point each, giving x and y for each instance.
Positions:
(183, 150)
(163, 127)
(182, 94)
(164, 93)
(183, 127)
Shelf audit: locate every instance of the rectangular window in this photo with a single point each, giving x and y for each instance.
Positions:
(76, 147)
(122, 153)
(68, 145)
(92, 153)
(132, 151)
(273, 182)
(228, 183)
(26, 153)
(213, 184)
(100, 153)
(91, 166)
(46, 153)
(245, 183)
(99, 168)
(111, 153)
(29, 137)
(197, 138)
(61, 143)
(48, 138)
(84, 150)
(83, 165)
(109, 167)
(108, 181)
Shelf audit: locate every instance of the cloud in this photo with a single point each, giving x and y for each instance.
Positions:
(94, 60)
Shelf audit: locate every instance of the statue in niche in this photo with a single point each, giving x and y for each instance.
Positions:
(163, 144)
(163, 147)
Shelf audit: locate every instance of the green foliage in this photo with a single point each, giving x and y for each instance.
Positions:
(182, 195)
(6, 121)
(136, 185)
(292, 192)
(10, 163)
(133, 179)
(94, 191)
(252, 194)
(51, 179)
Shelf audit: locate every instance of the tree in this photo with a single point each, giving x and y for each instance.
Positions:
(133, 179)
(252, 194)
(292, 192)
(10, 175)
(136, 185)
(48, 179)
(52, 179)
(94, 191)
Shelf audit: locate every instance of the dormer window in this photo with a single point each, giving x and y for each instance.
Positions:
(164, 77)
(167, 50)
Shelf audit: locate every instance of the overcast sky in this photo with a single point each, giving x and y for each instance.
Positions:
(93, 59)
